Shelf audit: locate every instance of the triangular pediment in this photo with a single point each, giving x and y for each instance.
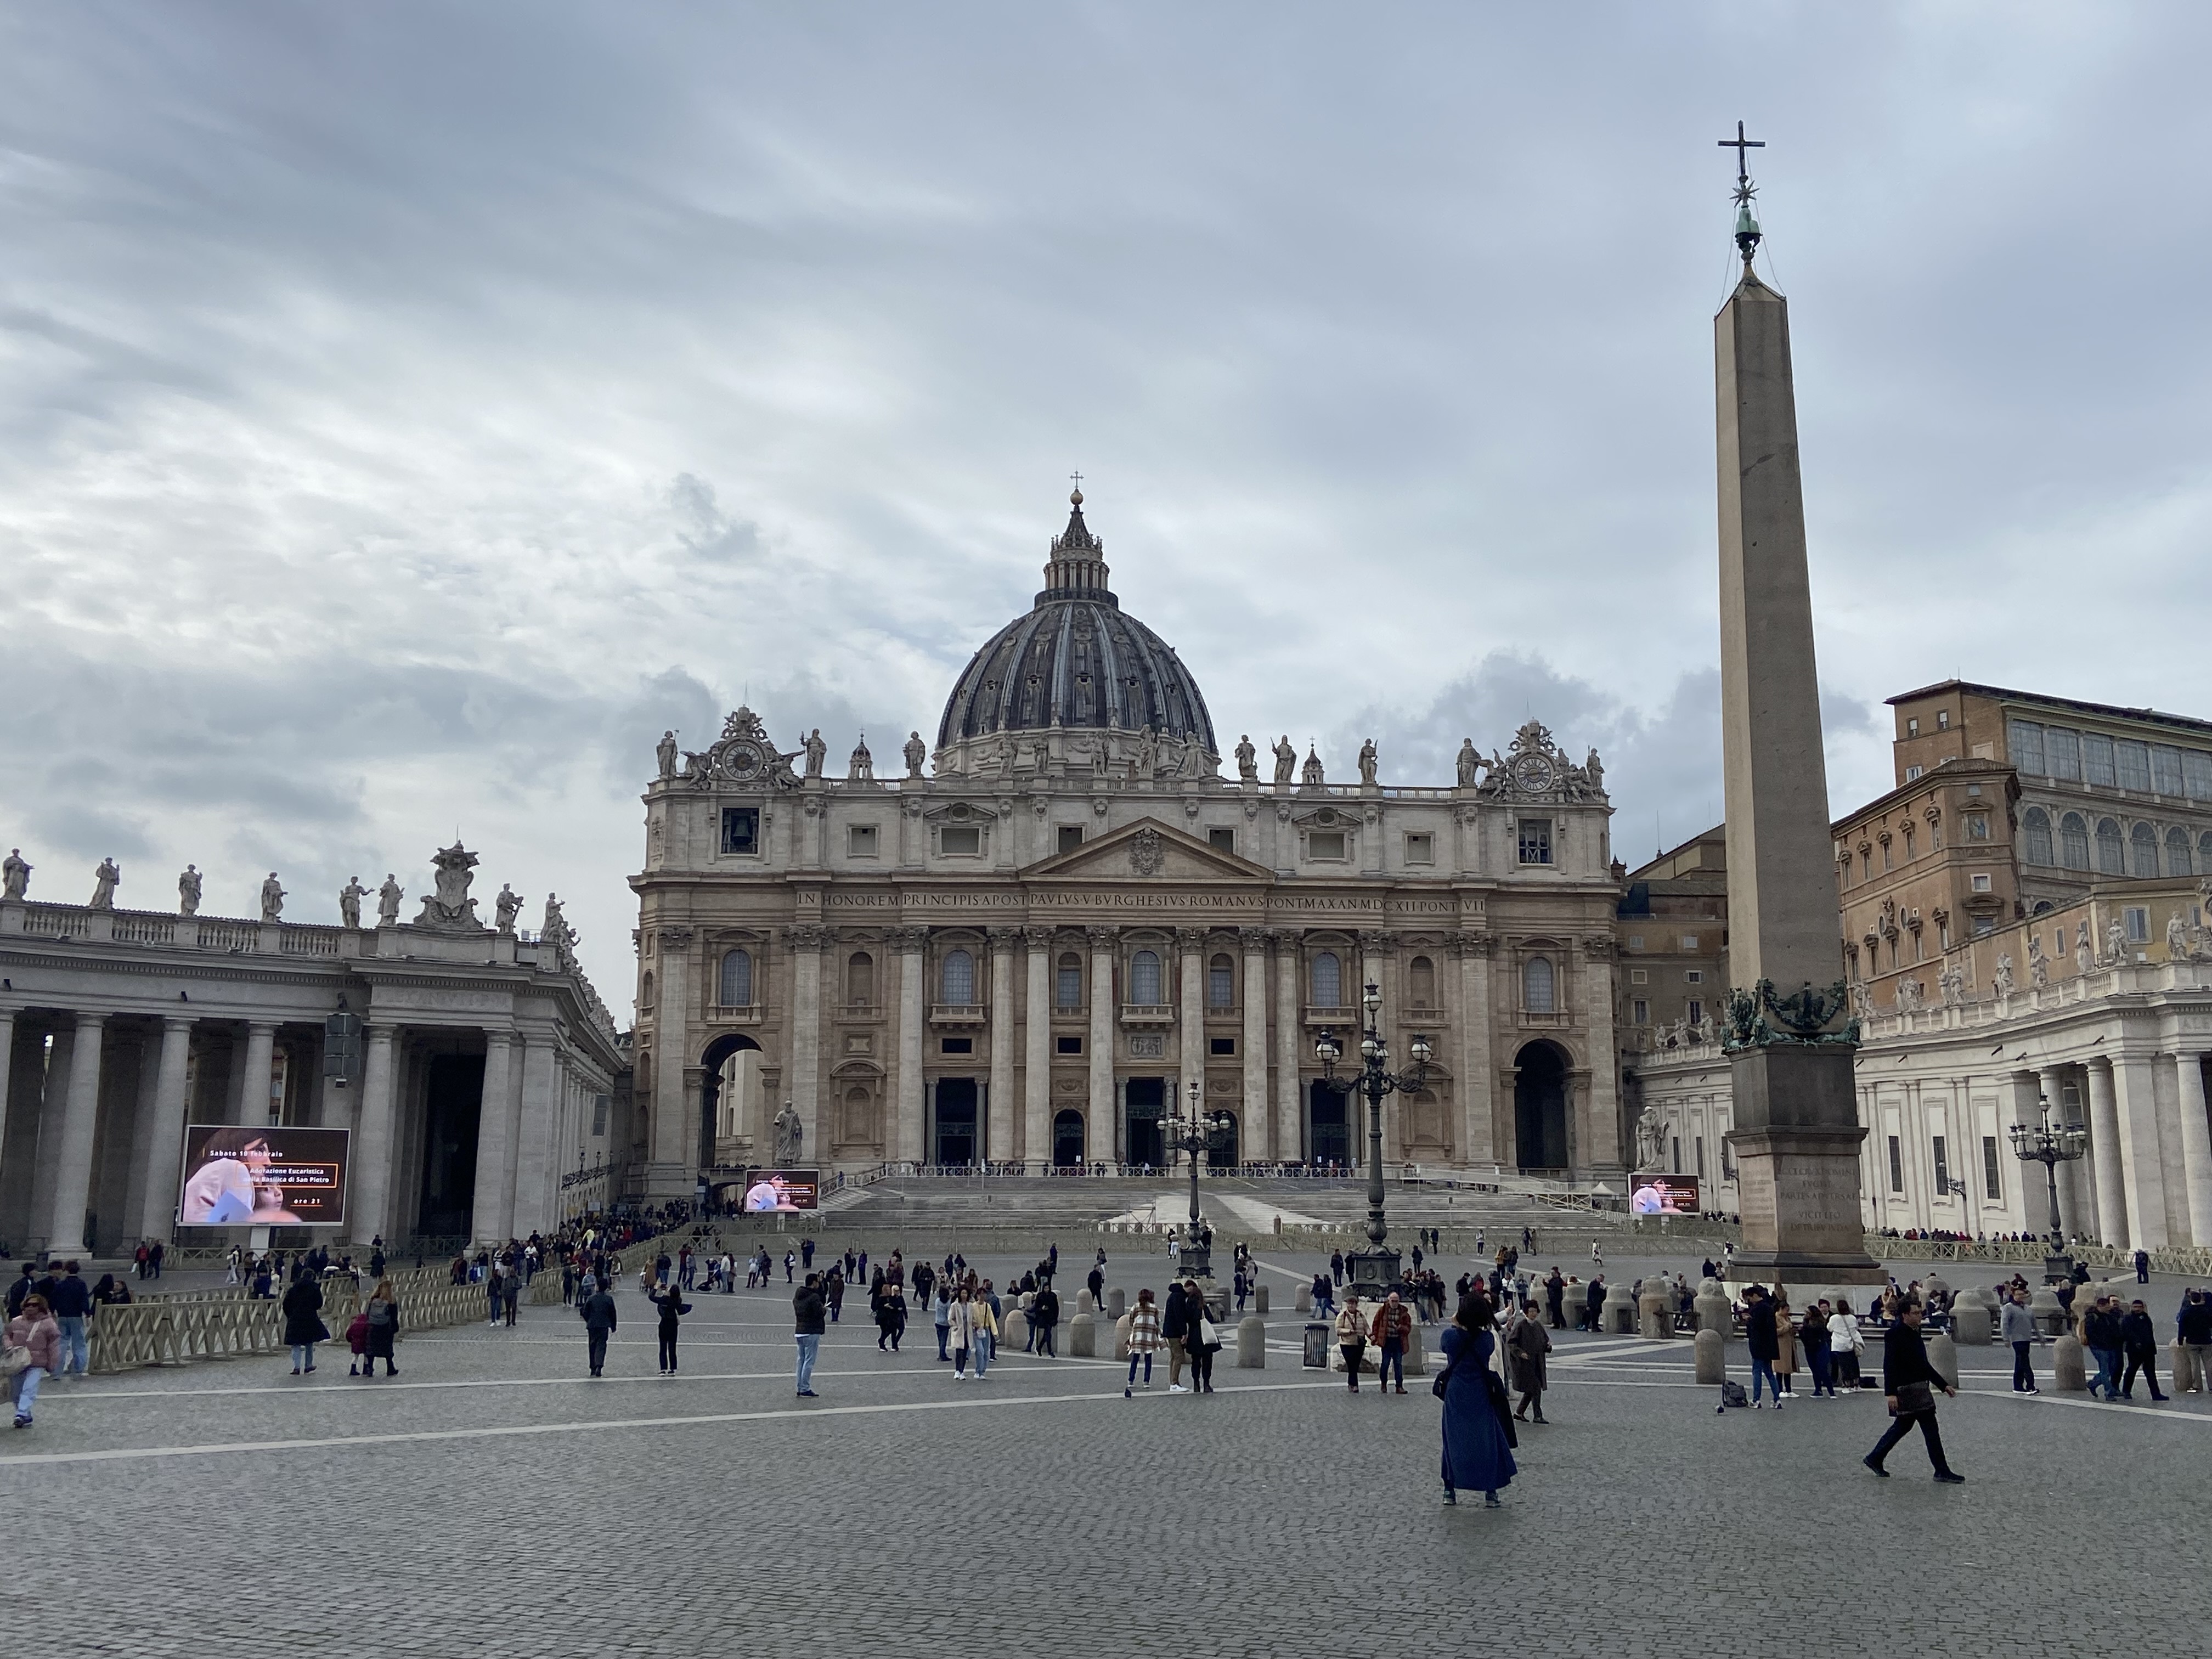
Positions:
(1147, 850)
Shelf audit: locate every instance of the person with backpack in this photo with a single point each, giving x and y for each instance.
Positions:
(382, 1317)
(1765, 1343)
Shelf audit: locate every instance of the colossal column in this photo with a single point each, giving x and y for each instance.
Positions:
(1098, 1117)
(491, 1215)
(1037, 1049)
(1601, 1125)
(2196, 1147)
(79, 1120)
(1255, 1133)
(2104, 1147)
(253, 1103)
(2142, 1168)
(906, 1081)
(537, 1118)
(7, 1064)
(1190, 1016)
(999, 1110)
(1290, 1049)
(674, 1153)
(1797, 1132)
(376, 1145)
(1478, 1141)
(803, 1086)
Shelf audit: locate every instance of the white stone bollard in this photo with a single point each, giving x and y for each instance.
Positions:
(2068, 1375)
(1305, 1303)
(1970, 1318)
(1121, 1336)
(1714, 1311)
(1712, 1356)
(1251, 1343)
(1116, 1303)
(1944, 1355)
(1082, 1335)
(1084, 1303)
(1259, 1298)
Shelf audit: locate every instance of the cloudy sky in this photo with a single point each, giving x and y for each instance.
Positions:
(411, 410)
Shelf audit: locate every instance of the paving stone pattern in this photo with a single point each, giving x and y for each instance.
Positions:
(491, 1501)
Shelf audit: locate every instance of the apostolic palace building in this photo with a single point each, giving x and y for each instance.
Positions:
(1028, 948)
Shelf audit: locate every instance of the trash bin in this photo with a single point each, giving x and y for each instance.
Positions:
(1315, 1356)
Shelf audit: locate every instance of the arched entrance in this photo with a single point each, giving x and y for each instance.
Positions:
(1328, 1124)
(1540, 1107)
(1067, 1140)
(711, 1062)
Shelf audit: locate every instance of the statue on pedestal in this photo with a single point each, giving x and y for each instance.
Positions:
(1247, 760)
(1650, 1140)
(1370, 763)
(505, 906)
(449, 905)
(105, 880)
(665, 753)
(2116, 941)
(790, 1134)
(2085, 958)
(1147, 760)
(1286, 762)
(917, 754)
(14, 875)
(2176, 938)
(272, 898)
(349, 898)
(388, 901)
(816, 750)
(188, 891)
(1470, 763)
(2004, 974)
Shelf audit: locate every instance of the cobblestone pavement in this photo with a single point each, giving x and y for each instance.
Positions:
(493, 1500)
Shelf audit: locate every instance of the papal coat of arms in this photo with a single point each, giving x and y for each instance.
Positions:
(1146, 852)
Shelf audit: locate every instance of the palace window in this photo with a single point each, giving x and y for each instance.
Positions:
(1992, 1168)
(1221, 983)
(1639, 976)
(1896, 1166)
(1068, 983)
(1639, 1012)
(1327, 980)
(2036, 830)
(860, 841)
(2112, 854)
(1325, 844)
(960, 841)
(741, 828)
(1943, 1167)
(1694, 975)
(2177, 852)
(2062, 751)
(1535, 841)
(1222, 838)
(2132, 761)
(859, 980)
(2197, 775)
(1942, 719)
(957, 1046)
(2136, 918)
(736, 986)
(1421, 849)
(1145, 980)
(1070, 837)
(2143, 849)
(1979, 881)
(2024, 742)
(1537, 986)
(2097, 765)
(1221, 1046)
(645, 990)
(2074, 841)
(1697, 1012)
(1067, 1045)
(956, 978)
(1421, 983)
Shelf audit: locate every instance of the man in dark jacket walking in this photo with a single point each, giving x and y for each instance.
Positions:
(2139, 1341)
(807, 1310)
(597, 1310)
(2101, 1334)
(1909, 1381)
(1044, 1314)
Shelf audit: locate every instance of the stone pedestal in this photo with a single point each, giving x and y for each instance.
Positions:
(1416, 1352)
(1655, 1309)
(1251, 1343)
(1797, 1146)
(2044, 1308)
(1122, 1338)
(1083, 1304)
(1944, 1355)
(1618, 1315)
(1970, 1318)
(1712, 1355)
(2182, 1364)
(1018, 1328)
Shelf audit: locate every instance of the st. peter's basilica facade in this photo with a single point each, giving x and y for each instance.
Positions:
(1024, 950)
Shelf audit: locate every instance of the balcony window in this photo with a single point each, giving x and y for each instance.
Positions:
(2035, 827)
(736, 986)
(1421, 849)
(960, 841)
(2074, 841)
(1327, 980)
(957, 979)
(1145, 980)
(2111, 849)
(1537, 986)
(1067, 983)
(1325, 844)
(1220, 983)
(2142, 850)
(860, 841)
(859, 980)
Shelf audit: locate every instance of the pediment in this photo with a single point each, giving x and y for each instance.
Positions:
(1147, 850)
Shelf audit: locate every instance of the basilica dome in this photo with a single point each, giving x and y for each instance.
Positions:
(1075, 661)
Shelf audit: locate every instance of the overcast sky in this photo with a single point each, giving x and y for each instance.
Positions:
(410, 410)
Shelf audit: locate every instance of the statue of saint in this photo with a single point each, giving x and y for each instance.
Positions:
(1195, 762)
(1247, 760)
(790, 1136)
(105, 880)
(1311, 776)
(917, 754)
(1650, 1140)
(2176, 938)
(863, 769)
(349, 898)
(388, 901)
(664, 751)
(556, 927)
(504, 906)
(1470, 762)
(188, 891)
(2116, 940)
(14, 875)
(272, 898)
(1286, 762)
(1370, 763)
(2084, 957)
(1148, 754)
(1593, 768)
(816, 749)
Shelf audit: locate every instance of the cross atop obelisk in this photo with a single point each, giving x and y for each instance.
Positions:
(1747, 223)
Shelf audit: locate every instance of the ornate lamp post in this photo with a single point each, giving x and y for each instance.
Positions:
(1194, 1131)
(1374, 1269)
(2051, 1145)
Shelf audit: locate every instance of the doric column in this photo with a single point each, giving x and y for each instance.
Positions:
(79, 1121)
(1289, 1048)
(998, 1128)
(1256, 1134)
(803, 1085)
(906, 1079)
(2196, 1147)
(260, 1063)
(7, 1065)
(674, 1149)
(492, 1213)
(2029, 1210)
(376, 1147)
(1601, 1127)
(1037, 1049)
(2105, 1144)
(1190, 1016)
(1478, 1118)
(2142, 1166)
(537, 1162)
(140, 1142)
(1098, 1117)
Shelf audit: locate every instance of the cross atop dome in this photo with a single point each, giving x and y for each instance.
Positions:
(1078, 556)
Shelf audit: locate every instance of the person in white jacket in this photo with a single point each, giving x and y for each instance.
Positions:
(1845, 1345)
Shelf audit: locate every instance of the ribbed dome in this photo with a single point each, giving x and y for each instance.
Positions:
(1076, 661)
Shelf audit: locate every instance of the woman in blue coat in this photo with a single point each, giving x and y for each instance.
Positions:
(1477, 1457)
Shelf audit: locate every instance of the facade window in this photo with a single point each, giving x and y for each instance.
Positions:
(1535, 841)
(2023, 744)
(2137, 921)
(2111, 850)
(1067, 1045)
(2178, 861)
(1421, 983)
(960, 841)
(957, 1046)
(1936, 833)
(1537, 987)
(1909, 853)
(2132, 761)
(2074, 841)
(1327, 980)
(600, 1106)
(1639, 976)
(1912, 727)
(1694, 975)
(1070, 837)
(2036, 831)
(1978, 826)
(1896, 1166)
(2197, 775)
(1700, 1144)
(1421, 849)
(1980, 880)
(1912, 773)
(2204, 852)
(957, 979)
(741, 828)
(2142, 850)
(2062, 750)
(2165, 771)
(859, 980)
(645, 990)
(1942, 719)
(1325, 844)
(1222, 838)
(1635, 941)
(1223, 1046)
(1984, 925)
(2097, 769)
(736, 986)
(860, 841)
(1689, 941)
(1695, 1011)
(1942, 1167)
(1221, 983)
(1992, 1171)
(1145, 980)
(1640, 1012)
(1067, 983)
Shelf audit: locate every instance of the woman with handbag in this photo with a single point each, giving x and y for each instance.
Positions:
(1205, 1340)
(1845, 1343)
(1352, 1338)
(383, 1312)
(32, 1350)
(1478, 1456)
(303, 1322)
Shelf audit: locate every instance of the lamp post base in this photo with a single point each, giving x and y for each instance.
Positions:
(1373, 1271)
(2058, 1268)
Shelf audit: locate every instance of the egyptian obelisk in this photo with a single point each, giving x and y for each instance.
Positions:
(1797, 1130)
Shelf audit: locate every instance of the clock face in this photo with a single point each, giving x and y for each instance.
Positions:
(742, 760)
(1532, 773)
